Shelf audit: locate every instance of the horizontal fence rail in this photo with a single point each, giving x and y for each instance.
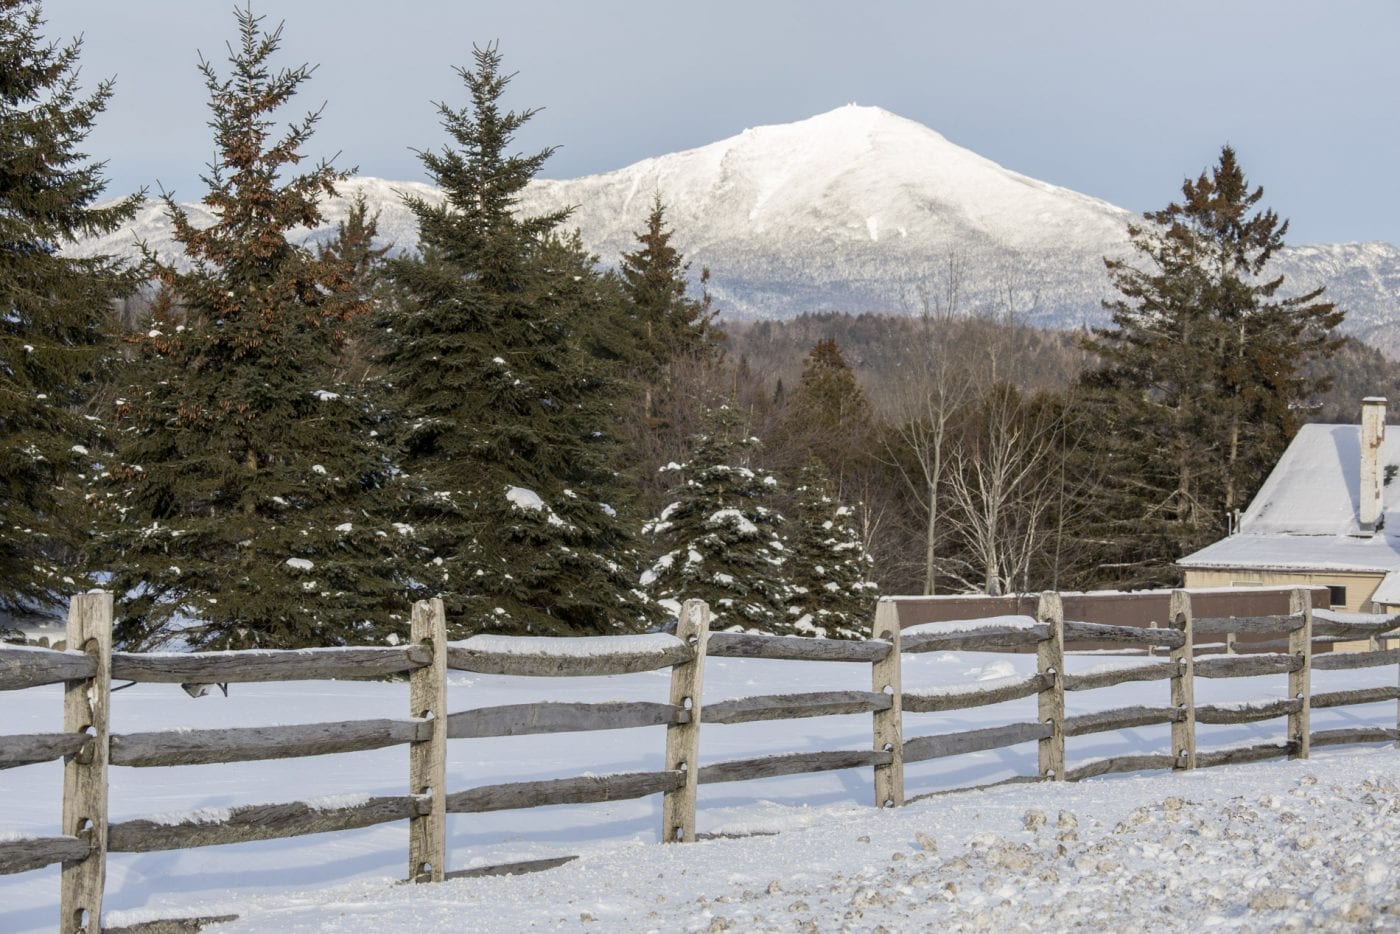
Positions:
(88, 749)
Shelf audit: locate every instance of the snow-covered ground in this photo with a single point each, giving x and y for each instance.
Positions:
(1261, 846)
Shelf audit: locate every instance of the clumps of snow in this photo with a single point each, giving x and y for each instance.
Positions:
(1242, 705)
(652, 643)
(662, 565)
(336, 802)
(1132, 664)
(987, 680)
(21, 647)
(325, 395)
(734, 518)
(345, 527)
(299, 564)
(662, 523)
(525, 499)
(975, 625)
(1340, 616)
(196, 816)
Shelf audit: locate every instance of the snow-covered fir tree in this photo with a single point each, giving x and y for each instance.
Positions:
(54, 338)
(247, 468)
(723, 538)
(508, 401)
(828, 568)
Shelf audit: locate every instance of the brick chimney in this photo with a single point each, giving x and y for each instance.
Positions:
(1372, 478)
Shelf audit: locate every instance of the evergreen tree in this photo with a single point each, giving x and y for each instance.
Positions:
(248, 468)
(357, 260)
(54, 309)
(830, 419)
(828, 568)
(723, 538)
(507, 401)
(674, 354)
(1204, 369)
(671, 324)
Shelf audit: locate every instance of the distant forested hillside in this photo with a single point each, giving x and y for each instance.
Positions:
(877, 347)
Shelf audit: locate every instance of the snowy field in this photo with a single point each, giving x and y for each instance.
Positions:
(1277, 844)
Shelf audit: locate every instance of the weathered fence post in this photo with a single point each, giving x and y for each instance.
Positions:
(888, 725)
(1050, 659)
(86, 709)
(1183, 681)
(683, 739)
(1300, 681)
(427, 757)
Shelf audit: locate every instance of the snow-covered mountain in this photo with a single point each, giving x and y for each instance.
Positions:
(859, 209)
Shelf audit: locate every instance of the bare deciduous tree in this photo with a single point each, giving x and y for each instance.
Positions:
(1003, 486)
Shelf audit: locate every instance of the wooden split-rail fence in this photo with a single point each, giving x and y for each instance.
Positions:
(88, 749)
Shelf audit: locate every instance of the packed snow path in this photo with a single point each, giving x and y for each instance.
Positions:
(1273, 846)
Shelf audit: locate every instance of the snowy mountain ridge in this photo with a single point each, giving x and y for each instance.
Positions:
(856, 210)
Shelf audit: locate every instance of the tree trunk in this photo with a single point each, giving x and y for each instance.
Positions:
(930, 545)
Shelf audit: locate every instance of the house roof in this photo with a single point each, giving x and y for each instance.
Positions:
(1388, 591)
(1305, 516)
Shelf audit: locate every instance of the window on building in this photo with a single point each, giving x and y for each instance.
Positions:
(1338, 595)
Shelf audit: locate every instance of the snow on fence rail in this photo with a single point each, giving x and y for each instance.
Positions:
(88, 750)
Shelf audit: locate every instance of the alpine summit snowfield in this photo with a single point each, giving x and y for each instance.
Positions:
(857, 209)
(1274, 845)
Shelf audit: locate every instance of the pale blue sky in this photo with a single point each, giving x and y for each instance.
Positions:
(1115, 99)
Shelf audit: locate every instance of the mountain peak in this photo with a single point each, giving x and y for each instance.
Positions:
(855, 115)
(844, 126)
(853, 173)
(855, 209)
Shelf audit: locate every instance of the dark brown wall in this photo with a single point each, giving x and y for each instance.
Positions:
(1117, 609)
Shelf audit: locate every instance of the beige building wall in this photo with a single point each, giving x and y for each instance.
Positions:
(1359, 585)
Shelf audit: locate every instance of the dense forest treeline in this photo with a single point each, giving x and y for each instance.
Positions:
(877, 346)
(284, 445)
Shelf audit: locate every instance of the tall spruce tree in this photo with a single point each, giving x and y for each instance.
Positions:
(247, 468)
(670, 323)
(674, 349)
(54, 309)
(830, 419)
(828, 568)
(1203, 372)
(723, 540)
(507, 400)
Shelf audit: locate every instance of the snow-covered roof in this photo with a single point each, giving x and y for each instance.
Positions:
(1388, 592)
(1284, 552)
(1305, 516)
(1315, 489)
